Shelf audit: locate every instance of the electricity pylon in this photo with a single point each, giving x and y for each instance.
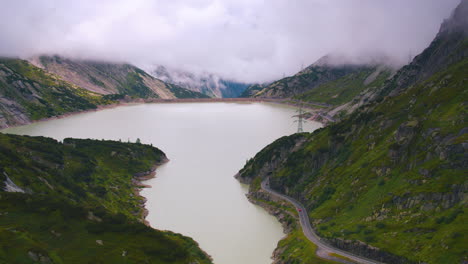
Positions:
(300, 119)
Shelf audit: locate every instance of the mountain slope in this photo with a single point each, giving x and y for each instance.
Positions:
(344, 89)
(111, 78)
(209, 84)
(29, 93)
(75, 202)
(388, 182)
(305, 80)
(337, 88)
(332, 81)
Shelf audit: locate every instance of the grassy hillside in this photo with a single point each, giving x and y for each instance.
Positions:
(392, 176)
(252, 90)
(388, 182)
(180, 92)
(76, 202)
(339, 88)
(79, 169)
(305, 80)
(344, 89)
(112, 78)
(30, 93)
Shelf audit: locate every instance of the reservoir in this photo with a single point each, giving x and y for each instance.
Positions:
(195, 193)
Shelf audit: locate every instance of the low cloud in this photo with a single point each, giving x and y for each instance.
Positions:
(244, 40)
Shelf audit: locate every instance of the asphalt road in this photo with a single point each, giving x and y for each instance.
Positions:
(311, 235)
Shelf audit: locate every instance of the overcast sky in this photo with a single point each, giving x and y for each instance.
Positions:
(246, 40)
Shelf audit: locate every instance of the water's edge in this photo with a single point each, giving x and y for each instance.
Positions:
(173, 101)
(243, 124)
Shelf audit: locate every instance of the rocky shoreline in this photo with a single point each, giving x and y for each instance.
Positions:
(138, 180)
(283, 216)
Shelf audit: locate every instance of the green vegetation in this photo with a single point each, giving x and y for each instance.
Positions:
(42, 94)
(80, 204)
(303, 81)
(135, 86)
(392, 175)
(30, 93)
(298, 249)
(344, 89)
(95, 81)
(180, 92)
(125, 79)
(52, 231)
(295, 247)
(79, 169)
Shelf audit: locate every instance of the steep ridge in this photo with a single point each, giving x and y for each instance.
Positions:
(447, 48)
(389, 181)
(348, 88)
(77, 202)
(305, 80)
(29, 93)
(206, 83)
(332, 79)
(111, 78)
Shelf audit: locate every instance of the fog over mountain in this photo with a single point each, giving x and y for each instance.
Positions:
(206, 83)
(243, 40)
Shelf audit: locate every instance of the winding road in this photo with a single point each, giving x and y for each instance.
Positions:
(325, 249)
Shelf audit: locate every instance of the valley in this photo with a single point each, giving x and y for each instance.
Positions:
(190, 192)
(359, 157)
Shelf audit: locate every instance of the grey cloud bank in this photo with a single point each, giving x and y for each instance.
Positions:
(244, 40)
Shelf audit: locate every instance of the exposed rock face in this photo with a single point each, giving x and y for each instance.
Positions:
(283, 216)
(282, 148)
(10, 186)
(363, 249)
(39, 257)
(105, 78)
(29, 93)
(11, 113)
(431, 201)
